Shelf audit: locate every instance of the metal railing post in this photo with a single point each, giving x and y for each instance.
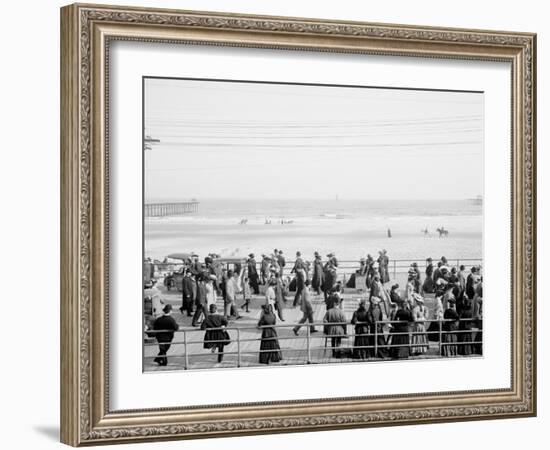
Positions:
(186, 359)
(375, 338)
(440, 337)
(238, 348)
(308, 344)
(394, 268)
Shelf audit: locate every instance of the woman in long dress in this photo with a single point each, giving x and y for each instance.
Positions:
(210, 291)
(409, 288)
(216, 337)
(400, 333)
(361, 341)
(270, 351)
(270, 296)
(465, 327)
(419, 337)
(449, 327)
(435, 324)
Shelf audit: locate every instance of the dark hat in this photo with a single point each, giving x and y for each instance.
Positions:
(429, 259)
(167, 308)
(330, 255)
(251, 255)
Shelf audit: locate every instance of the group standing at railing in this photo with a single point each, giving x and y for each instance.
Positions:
(387, 323)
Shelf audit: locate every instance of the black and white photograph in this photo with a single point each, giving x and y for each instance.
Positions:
(290, 224)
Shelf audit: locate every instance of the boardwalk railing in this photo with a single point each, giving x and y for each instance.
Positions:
(346, 267)
(466, 340)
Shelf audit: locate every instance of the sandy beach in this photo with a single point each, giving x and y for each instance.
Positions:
(346, 229)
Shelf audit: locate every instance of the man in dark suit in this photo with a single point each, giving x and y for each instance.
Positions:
(253, 274)
(200, 300)
(188, 293)
(282, 262)
(165, 325)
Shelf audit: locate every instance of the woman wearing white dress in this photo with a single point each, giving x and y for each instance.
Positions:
(419, 338)
(210, 291)
(270, 296)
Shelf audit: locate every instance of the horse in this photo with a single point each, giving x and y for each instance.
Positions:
(442, 232)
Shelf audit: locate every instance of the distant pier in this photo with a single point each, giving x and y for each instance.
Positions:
(170, 209)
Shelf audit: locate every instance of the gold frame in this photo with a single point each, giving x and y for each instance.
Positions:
(86, 31)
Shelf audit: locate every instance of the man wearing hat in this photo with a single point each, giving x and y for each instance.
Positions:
(281, 261)
(253, 274)
(471, 282)
(189, 289)
(383, 262)
(429, 286)
(300, 270)
(375, 317)
(329, 275)
(317, 280)
(370, 270)
(266, 262)
(166, 326)
(201, 301)
(195, 266)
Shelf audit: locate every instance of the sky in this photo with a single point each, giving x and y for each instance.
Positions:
(243, 140)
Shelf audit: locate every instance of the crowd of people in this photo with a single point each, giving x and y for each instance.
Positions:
(389, 322)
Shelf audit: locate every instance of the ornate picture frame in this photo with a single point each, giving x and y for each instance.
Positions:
(86, 34)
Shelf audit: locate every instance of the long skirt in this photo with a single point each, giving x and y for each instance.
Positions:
(359, 344)
(429, 286)
(351, 282)
(419, 339)
(401, 340)
(215, 338)
(270, 351)
(465, 348)
(384, 274)
(433, 331)
(317, 282)
(449, 347)
(478, 348)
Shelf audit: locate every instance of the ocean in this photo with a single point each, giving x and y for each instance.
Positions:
(349, 228)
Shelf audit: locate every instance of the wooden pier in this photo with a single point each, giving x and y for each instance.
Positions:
(170, 209)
